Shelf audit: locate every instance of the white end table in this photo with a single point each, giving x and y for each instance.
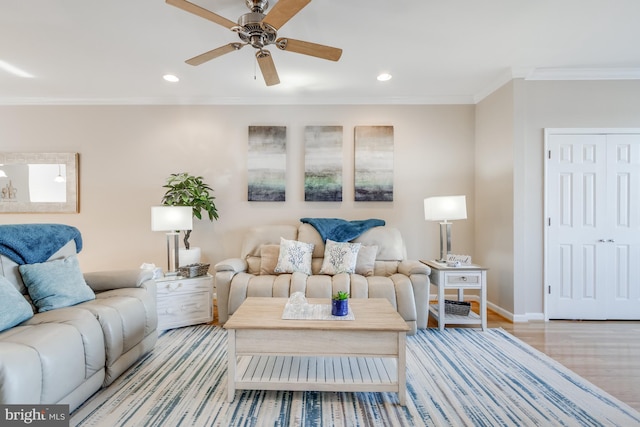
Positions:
(459, 278)
(184, 301)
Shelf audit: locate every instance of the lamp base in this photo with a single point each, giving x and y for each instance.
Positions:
(445, 240)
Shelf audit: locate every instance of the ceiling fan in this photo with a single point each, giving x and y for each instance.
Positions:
(259, 30)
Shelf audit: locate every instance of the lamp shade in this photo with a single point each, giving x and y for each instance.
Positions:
(171, 218)
(445, 208)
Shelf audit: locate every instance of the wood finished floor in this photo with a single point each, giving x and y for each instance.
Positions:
(605, 353)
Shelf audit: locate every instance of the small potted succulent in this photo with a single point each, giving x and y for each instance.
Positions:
(340, 304)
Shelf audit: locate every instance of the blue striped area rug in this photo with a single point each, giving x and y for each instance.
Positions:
(457, 377)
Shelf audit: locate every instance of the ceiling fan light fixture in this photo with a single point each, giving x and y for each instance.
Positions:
(384, 77)
(259, 29)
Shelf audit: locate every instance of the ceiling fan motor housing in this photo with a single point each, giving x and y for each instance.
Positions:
(257, 5)
(253, 32)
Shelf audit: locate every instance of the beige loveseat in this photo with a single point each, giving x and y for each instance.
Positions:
(387, 274)
(64, 355)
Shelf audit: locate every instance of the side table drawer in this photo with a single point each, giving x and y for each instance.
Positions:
(462, 279)
(182, 310)
(180, 287)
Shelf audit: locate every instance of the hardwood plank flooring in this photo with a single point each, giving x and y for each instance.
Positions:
(606, 353)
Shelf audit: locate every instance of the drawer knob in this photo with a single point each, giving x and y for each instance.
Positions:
(463, 278)
(174, 288)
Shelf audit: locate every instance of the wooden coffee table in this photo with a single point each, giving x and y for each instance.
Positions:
(269, 353)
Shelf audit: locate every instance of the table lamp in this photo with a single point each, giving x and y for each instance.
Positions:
(445, 209)
(172, 219)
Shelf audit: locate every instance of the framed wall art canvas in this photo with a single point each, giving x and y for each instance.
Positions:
(373, 163)
(323, 163)
(267, 163)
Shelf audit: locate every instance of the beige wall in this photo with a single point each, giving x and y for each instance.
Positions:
(494, 222)
(510, 127)
(569, 104)
(126, 152)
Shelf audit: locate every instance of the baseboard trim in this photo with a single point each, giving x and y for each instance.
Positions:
(514, 318)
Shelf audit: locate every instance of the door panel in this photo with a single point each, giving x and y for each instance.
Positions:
(623, 232)
(576, 205)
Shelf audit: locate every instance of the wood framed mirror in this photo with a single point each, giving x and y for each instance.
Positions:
(39, 183)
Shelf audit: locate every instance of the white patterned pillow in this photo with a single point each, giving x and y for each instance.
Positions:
(339, 257)
(294, 257)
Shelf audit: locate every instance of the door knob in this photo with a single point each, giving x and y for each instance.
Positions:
(611, 241)
(602, 241)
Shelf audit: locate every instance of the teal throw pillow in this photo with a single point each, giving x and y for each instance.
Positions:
(56, 284)
(14, 309)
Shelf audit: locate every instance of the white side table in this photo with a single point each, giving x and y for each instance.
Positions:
(184, 301)
(459, 278)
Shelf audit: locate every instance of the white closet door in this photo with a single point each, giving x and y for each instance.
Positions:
(592, 247)
(576, 207)
(623, 231)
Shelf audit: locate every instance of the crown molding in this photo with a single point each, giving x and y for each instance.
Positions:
(441, 100)
(584, 74)
(548, 74)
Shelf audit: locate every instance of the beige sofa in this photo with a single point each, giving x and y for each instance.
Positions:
(405, 283)
(64, 355)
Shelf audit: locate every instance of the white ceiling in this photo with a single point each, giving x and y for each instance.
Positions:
(438, 51)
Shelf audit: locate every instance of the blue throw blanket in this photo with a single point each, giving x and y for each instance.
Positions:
(340, 230)
(32, 243)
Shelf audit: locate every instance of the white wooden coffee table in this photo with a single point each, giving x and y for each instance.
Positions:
(269, 353)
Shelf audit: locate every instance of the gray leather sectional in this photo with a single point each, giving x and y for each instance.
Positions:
(67, 354)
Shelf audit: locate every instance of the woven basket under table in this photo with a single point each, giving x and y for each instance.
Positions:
(459, 308)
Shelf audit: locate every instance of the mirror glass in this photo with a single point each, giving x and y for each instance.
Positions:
(38, 182)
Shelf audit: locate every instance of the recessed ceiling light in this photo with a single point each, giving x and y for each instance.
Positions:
(14, 70)
(384, 77)
(171, 78)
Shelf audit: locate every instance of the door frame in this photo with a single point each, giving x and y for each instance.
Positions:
(547, 134)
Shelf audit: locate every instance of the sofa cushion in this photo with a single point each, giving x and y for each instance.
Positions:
(59, 350)
(56, 284)
(365, 264)
(14, 309)
(269, 258)
(308, 233)
(339, 257)
(389, 241)
(294, 257)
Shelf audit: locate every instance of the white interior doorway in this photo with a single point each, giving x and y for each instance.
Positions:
(592, 230)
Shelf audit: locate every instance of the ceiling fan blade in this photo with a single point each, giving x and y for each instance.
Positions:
(308, 48)
(202, 12)
(283, 11)
(267, 67)
(212, 54)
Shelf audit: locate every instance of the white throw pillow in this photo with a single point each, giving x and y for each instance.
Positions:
(339, 257)
(294, 257)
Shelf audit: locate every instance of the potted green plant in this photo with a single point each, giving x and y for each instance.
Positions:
(184, 189)
(340, 304)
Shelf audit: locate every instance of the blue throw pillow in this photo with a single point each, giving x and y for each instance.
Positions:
(14, 309)
(56, 284)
